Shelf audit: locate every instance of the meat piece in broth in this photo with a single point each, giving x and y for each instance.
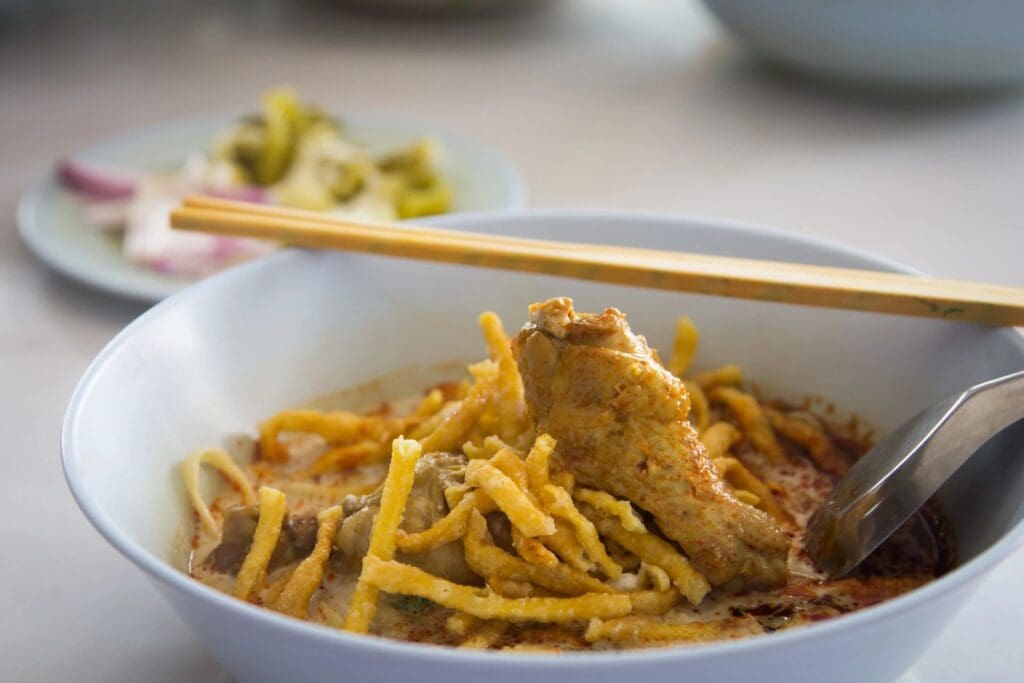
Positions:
(426, 506)
(298, 536)
(434, 473)
(620, 419)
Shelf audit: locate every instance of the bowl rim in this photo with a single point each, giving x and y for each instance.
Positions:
(162, 570)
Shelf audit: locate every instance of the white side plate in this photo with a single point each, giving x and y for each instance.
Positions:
(51, 224)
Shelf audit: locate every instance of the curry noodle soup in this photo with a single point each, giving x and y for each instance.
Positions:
(570, 493)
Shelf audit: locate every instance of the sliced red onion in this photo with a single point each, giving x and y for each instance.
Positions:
(150, 240)
(96, 180)
(106, 214)
(202, 257)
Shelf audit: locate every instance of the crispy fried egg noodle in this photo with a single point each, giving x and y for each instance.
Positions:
(500, 548)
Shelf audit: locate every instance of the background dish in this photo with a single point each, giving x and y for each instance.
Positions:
(906, 44)
(197, 366)
(50, 224)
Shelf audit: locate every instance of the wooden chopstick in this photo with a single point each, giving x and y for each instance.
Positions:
(713, 275)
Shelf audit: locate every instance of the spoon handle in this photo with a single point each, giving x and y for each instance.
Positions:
(997, 404)
(906, 468)
(976, 416)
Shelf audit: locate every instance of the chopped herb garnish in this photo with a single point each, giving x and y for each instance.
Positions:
(413, 604)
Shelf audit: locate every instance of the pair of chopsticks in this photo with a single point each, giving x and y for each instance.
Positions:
(792, 283)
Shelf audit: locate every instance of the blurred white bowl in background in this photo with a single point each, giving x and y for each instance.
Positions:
(920, 44)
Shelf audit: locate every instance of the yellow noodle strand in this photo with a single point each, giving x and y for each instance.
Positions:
(684, 348)
(559, 503)
(719, 438)
(512, 405)
(486, 559)
(395, 577)
(740, 478)
(294, 598)
(404, 455)
(509, 498)
(621, 510)
(752, 420)
(727, 375)
(264, 541)
(658, 552)
(700, 412)
(219, 459)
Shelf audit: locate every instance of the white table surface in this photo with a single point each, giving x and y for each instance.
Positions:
(601, 103)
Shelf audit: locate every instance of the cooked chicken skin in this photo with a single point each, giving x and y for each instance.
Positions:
(620, 420)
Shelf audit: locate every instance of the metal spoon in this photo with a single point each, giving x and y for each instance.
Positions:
(906, 468)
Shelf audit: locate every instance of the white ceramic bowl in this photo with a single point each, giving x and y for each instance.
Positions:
(902, 43)
(218, 357)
